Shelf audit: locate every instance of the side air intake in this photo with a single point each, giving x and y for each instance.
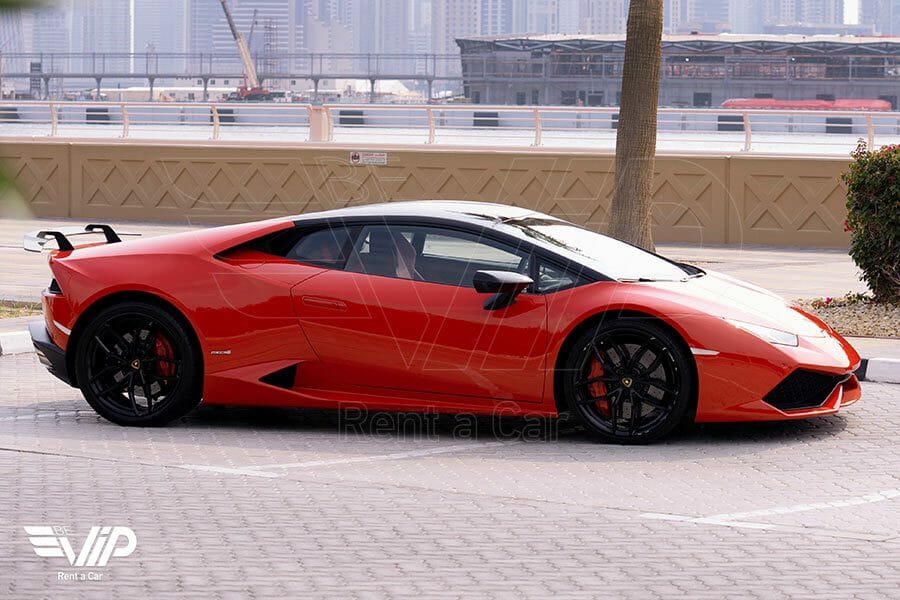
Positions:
(283, 378)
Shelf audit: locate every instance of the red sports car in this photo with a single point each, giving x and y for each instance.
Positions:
(428, 306)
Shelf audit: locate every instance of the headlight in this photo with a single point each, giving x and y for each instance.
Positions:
(773, 336)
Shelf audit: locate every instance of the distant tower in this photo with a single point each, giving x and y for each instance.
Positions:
(11, 39)
(883, 14)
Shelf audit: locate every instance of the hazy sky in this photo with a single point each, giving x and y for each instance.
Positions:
(851, 11)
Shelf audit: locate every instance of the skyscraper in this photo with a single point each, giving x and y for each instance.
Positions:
(102, 27)
(451, 19)
(542, 16)
(11, 31)
(602, 16)
(806, 12)
(497, 17)
(160, 26)
(884, 15)
(703, 16)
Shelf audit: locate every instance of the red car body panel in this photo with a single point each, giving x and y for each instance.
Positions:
(382, 343)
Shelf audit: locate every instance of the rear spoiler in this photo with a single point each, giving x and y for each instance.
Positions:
(34, 241)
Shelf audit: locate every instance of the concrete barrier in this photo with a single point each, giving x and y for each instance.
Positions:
(748, 199)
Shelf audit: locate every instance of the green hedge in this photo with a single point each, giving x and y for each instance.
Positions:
(873, 217)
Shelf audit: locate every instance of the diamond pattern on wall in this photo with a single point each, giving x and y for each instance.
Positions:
(745, 199)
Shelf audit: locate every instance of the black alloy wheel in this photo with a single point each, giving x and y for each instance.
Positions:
(629, 381)
(136, 364)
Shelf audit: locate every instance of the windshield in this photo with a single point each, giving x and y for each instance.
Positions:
(606, 255)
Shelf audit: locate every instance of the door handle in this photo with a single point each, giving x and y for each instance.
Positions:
(319, 302)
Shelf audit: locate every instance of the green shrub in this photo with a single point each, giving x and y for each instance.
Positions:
(873, 217)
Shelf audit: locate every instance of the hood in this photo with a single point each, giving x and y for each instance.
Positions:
(724, 296)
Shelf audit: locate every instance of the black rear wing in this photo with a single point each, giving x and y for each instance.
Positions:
(35, 241)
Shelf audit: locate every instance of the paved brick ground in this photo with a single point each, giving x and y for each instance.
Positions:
(306, 504)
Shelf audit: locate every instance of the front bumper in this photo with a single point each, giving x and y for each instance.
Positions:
(51, 356)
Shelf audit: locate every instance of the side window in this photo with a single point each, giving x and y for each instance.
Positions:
(553, 278)
(431, 254)
(465, 248)
(323, 248)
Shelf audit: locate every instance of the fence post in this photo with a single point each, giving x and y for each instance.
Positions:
(870, 130)
(748, 135)
(125, 120)
(54, 119)
(215, 118)
(320, 126)
(538, 132)
(430, 114)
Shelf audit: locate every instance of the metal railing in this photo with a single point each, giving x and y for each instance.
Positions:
(188, 65)
(526, 127)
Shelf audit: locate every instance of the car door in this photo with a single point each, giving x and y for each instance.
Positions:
(402, 315)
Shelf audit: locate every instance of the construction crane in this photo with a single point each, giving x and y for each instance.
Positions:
(251, 89)
(252, 27)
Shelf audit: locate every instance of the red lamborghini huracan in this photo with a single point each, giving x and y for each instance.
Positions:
(428, 306)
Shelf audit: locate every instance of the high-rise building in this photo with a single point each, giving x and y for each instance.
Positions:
(883, 15)
(496, 17)
(803, 12)
(160, 26)
(202, 18)
(568, 18)
(745, 17)
(277, 27)
(602, 16)
(702, 16)
(11, 39)
(451, 19)
(542, 16)
(102, 30)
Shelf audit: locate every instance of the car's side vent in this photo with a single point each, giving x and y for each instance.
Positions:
(803, 389)
(54, 287)
(283, 378)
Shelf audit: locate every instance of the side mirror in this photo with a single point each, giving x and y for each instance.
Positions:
(505, 285)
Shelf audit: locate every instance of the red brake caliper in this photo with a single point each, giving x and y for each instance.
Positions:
(598, 388)
(163, 349)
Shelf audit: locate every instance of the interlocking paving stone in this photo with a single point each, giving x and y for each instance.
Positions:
(444, 516)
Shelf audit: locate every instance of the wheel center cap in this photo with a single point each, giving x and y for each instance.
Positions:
(627, 381)
(135, 364)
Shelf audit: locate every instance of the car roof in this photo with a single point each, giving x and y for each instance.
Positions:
(480, 213)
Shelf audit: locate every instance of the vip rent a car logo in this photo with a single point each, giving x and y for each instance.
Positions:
(101, 544)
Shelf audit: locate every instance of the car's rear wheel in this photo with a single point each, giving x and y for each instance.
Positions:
(136, 364)
(629, 381)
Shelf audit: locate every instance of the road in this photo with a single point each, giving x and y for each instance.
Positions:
(311, 504)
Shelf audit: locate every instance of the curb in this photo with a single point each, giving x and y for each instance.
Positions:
(882, 370)
(878, 370)
(15, 342)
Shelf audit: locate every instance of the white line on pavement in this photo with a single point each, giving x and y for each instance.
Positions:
(228, 471)
(382, 457)
(735, 519)
(259, 470)
(706, 521)
(782, 510)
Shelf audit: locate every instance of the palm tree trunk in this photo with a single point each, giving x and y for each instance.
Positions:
(629, 218)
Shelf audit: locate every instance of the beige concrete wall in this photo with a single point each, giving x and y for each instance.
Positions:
(746, 199)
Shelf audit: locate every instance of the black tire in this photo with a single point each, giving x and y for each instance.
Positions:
(135, 351)
(629, 381)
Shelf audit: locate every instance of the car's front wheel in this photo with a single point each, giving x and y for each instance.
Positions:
(136, 364)
(628, 381)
